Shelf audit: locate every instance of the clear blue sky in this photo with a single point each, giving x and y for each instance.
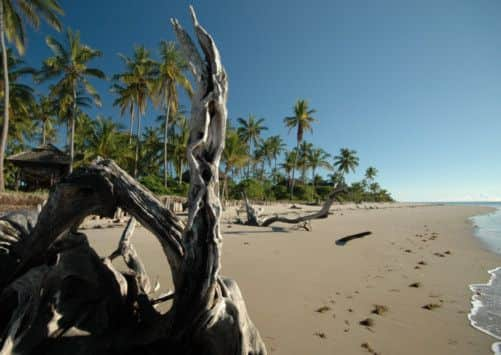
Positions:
(413, 86)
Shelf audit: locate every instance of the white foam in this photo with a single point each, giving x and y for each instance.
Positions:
(486, 316)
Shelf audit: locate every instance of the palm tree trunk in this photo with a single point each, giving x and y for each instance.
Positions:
(294, 169)
(5, 127)
(72, 134)
(225, 185)
(43, 132)
(138, 142)
(313, 180)
(249, 155)
(166, 136)
(131, 128)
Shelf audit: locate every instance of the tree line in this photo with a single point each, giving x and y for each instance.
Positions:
(262, 167)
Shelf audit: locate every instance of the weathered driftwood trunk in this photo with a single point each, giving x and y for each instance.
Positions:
(254, 219)
(57, 296)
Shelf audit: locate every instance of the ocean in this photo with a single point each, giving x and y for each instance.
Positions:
(485, 313)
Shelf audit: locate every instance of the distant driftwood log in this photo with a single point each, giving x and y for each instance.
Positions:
(254, 217)
(59, 297)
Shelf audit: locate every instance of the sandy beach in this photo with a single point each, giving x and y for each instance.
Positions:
(308, 295)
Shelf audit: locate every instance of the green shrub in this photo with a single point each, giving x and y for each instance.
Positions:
(254, 189)
(323, 191)
(280, 192)
(155, 184)
(305, 193)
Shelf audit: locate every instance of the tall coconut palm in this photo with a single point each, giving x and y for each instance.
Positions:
(290, 160)
(374, 187)
(138, 82)
(302, 120)
(21, 100)
(104, 140)
(151, 152)
(302, 162)
(318, 158)
(371, 173)
(276, 146)
(171, 74)
(337, 178)
(69, 65)
(13, 16)
(346, 161)
(180, 144)
(45, 113)
(64, 104)
(234, 156)
(250, 132)
(125, 101)
(173, 123)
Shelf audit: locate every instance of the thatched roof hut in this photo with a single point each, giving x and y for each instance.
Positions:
(41, 167)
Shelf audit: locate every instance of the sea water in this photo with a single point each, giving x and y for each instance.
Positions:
(485, 314)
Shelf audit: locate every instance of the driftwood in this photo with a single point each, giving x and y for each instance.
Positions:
(254, 218)
(342, 241)
(57, 296)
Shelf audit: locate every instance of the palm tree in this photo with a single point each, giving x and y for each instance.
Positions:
(151, 152)
(70, 64)
(171, 73)
(179, 146)
(126, 103)
(250, 132)
(234, 157)
(13, 15)
(104, 140)
(318, 158)
(337, 178)
(374, 187)
(290, 160)
(302, 162)
(45, 112)
(21, 101)
(137, 84)
(276, 146)
(84, 129)
(303, 120)
(346, 161)
(370, 173)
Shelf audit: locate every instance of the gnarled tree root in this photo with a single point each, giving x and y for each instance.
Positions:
(57, 296)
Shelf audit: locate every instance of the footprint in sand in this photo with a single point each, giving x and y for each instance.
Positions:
(379, 309)
(321, 335)
(323, 309)
(431, 306)
(368, 323)
(369, 348)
